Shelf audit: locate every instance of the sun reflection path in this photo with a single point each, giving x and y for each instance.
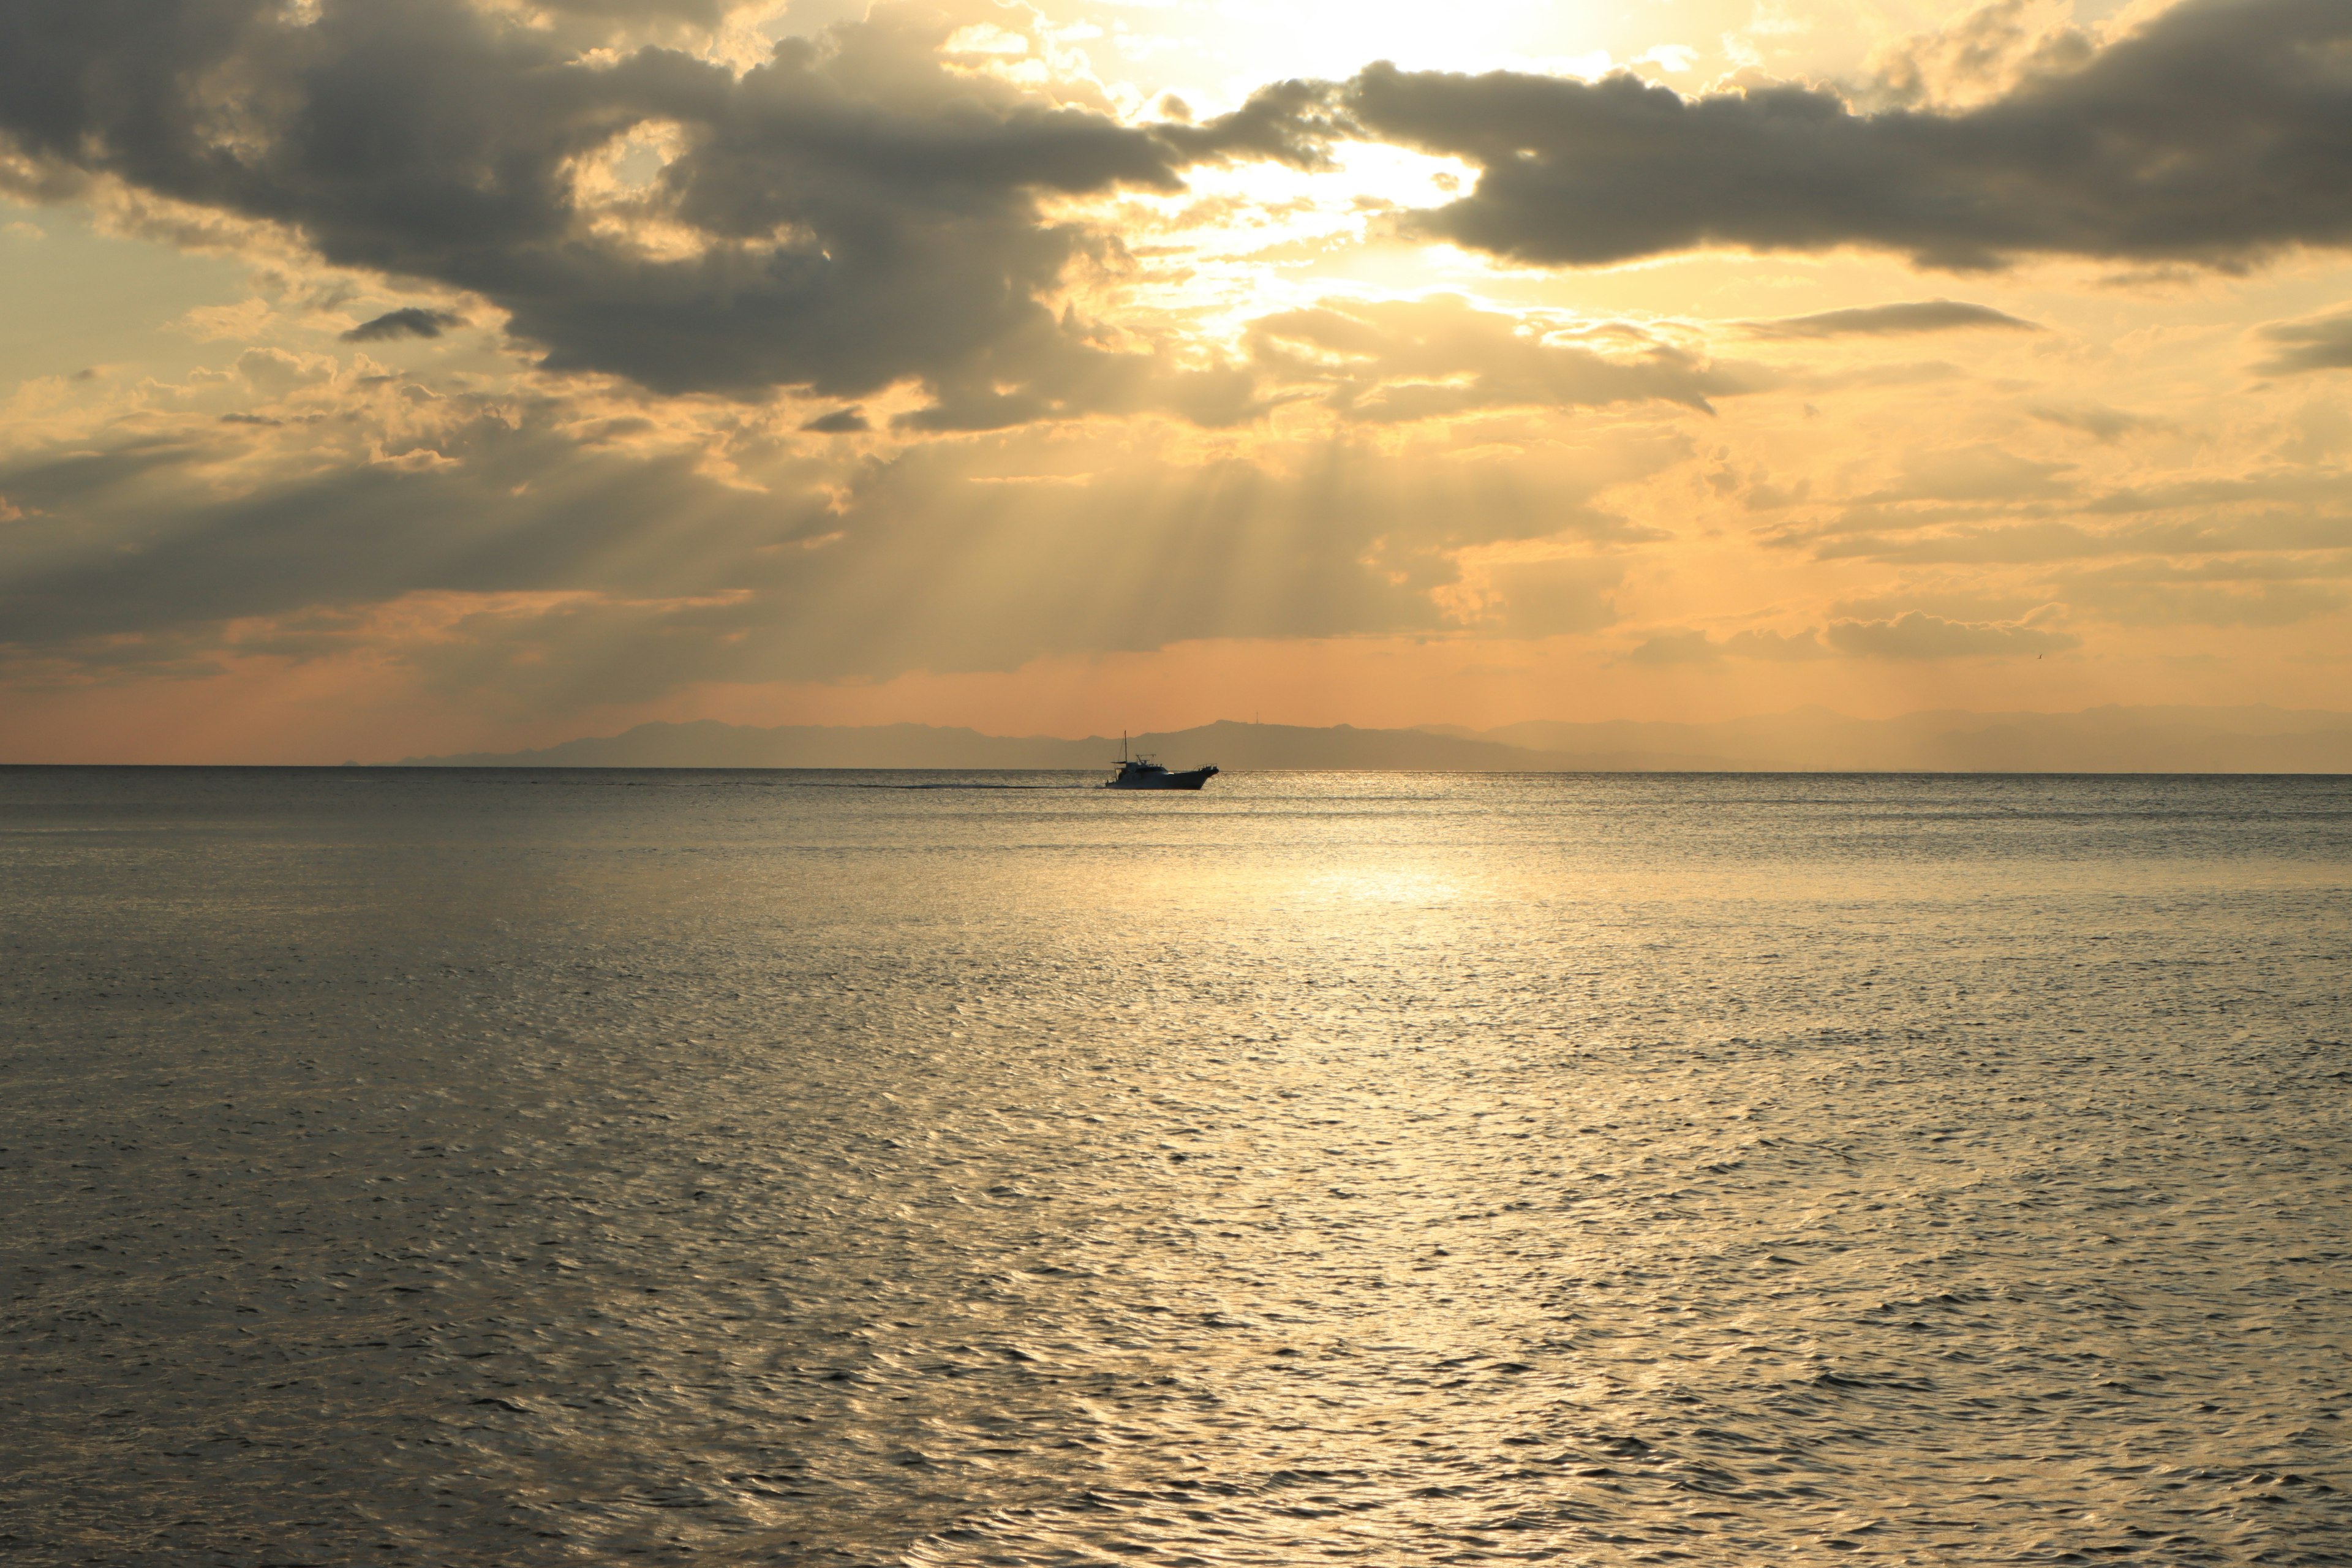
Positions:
(1417, 888)
(1396, 1171)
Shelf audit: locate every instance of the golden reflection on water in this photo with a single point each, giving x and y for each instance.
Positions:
(1417, 888)
(442, 1169)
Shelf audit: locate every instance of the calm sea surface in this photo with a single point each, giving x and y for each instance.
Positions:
(520, 1168)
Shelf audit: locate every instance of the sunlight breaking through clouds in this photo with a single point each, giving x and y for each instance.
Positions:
(744, 350)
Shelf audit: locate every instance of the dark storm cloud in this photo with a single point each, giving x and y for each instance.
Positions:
(2219, 131)
(1890, 321)
(411, 323)
(856, 214)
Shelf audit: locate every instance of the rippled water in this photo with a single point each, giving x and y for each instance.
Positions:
(414, 1167)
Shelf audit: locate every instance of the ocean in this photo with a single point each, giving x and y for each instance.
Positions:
(508, 1167)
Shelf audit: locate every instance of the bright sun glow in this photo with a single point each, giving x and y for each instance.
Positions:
(1334, 38)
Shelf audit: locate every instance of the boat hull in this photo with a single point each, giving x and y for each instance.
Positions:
(1192, 780)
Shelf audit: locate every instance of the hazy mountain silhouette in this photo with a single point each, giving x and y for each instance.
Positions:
(2099, 740)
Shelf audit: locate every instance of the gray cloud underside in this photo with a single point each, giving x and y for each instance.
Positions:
(1386, 362)
(2215, 134)
(2322, 344)
(1987, 482)
(2178, 605)
(1890, 321)
(916, 561)
(865, 215)
(409, 322)
(1699, 648)
(2255, 549)
(2099, 422)
(1916, 635)
(2030, 543)
(1910, 635)
(2243, 591)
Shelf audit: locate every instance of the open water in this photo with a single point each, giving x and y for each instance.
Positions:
(546, 1168)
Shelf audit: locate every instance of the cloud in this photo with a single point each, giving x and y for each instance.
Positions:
(2102, 423)
(2297, 567)
(1954, 600)
(2321, 483)
(864, 236)
(1889, 320)
(2271, 509)
(1976, 473)
(1909, 635)
(705, 12)
(1292, 122)
(605, 555)
(1384, 363)
(1552, 599)
(1676, 647)
(1982, 55)
(859, 211)
(2212, 135)
(2324, 342)
(240, 322)
(1918, 636)
(2145, 603)
(2233, 591)
(278, 370)
(410, 322)
(1699, 648)
(849, 214)
(2049, 540)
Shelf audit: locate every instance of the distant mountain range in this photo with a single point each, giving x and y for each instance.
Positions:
(2098, 740)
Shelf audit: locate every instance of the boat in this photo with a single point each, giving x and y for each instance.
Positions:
(1143, 773)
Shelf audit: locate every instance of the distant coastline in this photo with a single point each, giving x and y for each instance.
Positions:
(2231, 739)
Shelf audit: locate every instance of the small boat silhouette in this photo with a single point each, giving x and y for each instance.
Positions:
(1143, 773)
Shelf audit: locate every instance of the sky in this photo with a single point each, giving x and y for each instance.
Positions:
(389, 377)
